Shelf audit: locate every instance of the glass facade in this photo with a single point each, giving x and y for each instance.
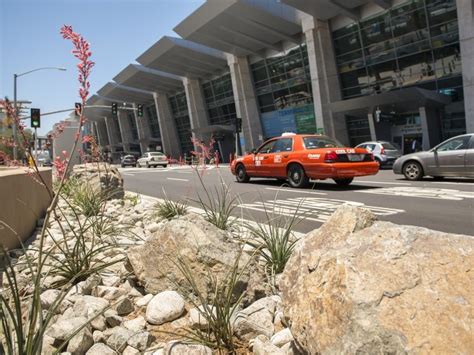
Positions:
(133, 126)
(413, 44)
(219, 98)
(179, 109)
(153, 122)
(283, 89)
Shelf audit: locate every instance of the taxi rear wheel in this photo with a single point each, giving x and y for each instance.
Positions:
(241, 174)
(343, 182)
(297, 177)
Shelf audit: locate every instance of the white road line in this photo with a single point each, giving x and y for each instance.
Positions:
(455, 183)
(295, 190)
(128, 174)
(381, 182)
(177, 179)
(423, 192)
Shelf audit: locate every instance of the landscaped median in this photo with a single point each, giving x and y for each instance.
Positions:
(129, 275)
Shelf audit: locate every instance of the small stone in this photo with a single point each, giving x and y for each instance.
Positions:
(197, 319)
(140, 340)
(98, 336)
(143, 301)
(48, 298)
(130, 351)
(164, 307)
(112, 318)
(110, 280)
(118, 339)
(136, 324)
(100, 349)
(109, 293)
(262, 346)
(64, 328)
(81, 342)
(282, 337)
(176, 348)
(99, 323)
(124, 307)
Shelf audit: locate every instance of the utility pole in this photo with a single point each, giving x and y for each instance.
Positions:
(15, 151)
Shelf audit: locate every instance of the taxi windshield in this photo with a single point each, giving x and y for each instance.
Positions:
(321, 142)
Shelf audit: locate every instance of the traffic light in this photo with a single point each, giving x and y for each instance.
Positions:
(238, 124)
(35, 115)
(140, 110)
(78, 109)
(114, 109)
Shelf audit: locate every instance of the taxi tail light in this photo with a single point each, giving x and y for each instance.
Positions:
(372, 156)
(330, 157)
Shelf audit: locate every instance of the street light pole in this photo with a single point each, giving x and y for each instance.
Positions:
(15, 104)
(15, 151)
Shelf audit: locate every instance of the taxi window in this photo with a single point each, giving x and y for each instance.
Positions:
(266, 148)
(283, 145)
(320, 142)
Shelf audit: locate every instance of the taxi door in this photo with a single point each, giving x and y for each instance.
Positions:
(263, 159)
(281, 155)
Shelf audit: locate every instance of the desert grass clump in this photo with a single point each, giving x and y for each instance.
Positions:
(217, 305)
(88, 200)
(169, 209)
(218, 205)
(274, 240)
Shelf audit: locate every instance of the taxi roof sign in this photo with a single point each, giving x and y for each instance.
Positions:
(286, 134)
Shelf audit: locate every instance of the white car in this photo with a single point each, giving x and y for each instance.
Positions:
(385, 153)
(152, 159)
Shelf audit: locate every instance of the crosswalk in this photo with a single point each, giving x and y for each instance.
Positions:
(423, 192)
(312, 208)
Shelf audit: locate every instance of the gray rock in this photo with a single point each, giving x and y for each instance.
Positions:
(98, 337)
(118, 338)
(136, 324)
(64, 328)
(282, 337)
(143, 301)
(109, 293)
(124, 307)
(130, 351)
(100, 349)
(81, 342)
(89, 306)
(101, 177)
(257, 318)
(48, 298)
(262, 346)
(140, 340)
(112, 318)
(164, 307)
(197, 319)
(177, 348)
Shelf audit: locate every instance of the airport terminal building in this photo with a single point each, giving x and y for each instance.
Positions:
(358, 70)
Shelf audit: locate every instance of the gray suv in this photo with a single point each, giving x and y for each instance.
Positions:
(452, 158)
(385, 153)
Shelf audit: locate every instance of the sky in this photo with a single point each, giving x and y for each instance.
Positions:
(118, 31)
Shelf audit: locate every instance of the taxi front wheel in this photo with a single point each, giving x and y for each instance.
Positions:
(297, 177)
(241, 174)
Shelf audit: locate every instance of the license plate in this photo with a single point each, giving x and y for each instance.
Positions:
(355, 157)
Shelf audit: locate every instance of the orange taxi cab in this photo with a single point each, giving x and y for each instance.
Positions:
(301, 157)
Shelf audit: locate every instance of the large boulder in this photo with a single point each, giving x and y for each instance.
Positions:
(361, 286)
(100, 176)
(200, 245)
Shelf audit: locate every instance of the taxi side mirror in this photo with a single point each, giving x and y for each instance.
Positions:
(253, 151)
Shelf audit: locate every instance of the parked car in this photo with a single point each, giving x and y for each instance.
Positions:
(452, 158)
(385, 153)
(153, 159)
(128, 160)
(301, 157)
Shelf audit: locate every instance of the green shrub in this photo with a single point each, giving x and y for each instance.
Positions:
(274, 239)
(88, 200)
(218, 206)
(169, 209)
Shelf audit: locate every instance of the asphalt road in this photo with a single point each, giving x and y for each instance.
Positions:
(446, 205)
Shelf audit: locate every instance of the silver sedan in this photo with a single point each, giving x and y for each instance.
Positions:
(452, 158)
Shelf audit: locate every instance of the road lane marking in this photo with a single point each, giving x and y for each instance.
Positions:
(455, 183)
(128, 174)
(176, 179)
(313, 208)
(422, 192)
(381, 182)
(295, 190)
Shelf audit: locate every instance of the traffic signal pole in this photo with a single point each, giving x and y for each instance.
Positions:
(15, 138)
